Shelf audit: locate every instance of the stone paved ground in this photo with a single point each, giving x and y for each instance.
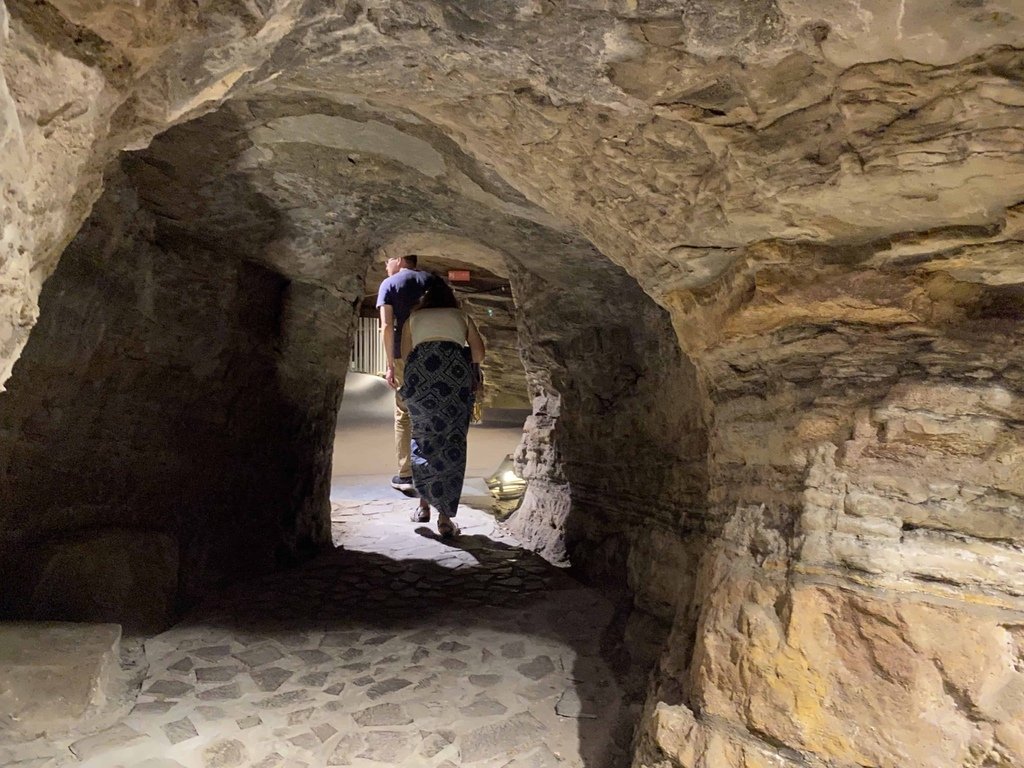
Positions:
(398, 649)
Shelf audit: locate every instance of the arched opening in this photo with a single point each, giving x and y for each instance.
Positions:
(210, 303)
(364, 450)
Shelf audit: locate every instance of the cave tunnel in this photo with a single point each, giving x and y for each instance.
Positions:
(758, 302)
(184, 380)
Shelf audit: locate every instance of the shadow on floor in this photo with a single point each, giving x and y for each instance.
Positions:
(417, 624)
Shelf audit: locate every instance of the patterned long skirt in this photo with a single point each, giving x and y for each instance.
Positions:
(437, 390)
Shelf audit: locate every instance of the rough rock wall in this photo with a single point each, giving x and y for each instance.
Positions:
(504, 378)
(80, 81)
(615, 451)
(160, 435)
(54, 106)
(863, 602)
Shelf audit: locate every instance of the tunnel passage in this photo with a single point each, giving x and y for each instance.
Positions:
(209, 302)
(863, 405)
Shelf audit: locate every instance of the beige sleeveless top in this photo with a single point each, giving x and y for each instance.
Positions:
(437, 325)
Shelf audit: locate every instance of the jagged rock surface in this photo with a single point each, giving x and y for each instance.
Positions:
(860, 604)
(806, 465)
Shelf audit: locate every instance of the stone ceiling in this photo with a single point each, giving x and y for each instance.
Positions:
(669, 134)
(310, 187)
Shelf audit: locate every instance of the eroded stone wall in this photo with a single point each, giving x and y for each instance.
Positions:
(504, 378)
(616, 449)
(862, 604)
(80, 81)
(161, 433)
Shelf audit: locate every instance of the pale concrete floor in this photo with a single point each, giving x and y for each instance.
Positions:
(364, 447)
(395, 649)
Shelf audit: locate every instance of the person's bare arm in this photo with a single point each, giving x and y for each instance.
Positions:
(476, 342)
(387, 335)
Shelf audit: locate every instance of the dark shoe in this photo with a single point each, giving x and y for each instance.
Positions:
(402, 483)
(420, 515)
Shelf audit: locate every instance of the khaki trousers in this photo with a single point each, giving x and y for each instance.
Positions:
(403, 427)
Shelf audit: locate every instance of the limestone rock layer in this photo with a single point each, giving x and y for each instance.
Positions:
(767, 265)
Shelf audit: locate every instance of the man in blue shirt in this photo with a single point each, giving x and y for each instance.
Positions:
(397, 296)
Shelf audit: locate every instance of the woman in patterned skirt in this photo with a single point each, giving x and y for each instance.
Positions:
(442, 350)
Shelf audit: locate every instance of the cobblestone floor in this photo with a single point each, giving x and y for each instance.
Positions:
(397, 649)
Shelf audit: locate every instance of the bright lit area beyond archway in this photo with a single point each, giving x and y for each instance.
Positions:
(364, 456)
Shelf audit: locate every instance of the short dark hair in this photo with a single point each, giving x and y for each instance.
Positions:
(410, 259)
(438, 295)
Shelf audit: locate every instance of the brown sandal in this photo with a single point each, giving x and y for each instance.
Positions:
(447, 528)
(420, 515)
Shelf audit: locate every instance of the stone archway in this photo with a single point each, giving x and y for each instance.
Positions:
(210, 302)
(266, 341)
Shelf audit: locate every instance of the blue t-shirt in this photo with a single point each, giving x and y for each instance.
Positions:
(402, 291)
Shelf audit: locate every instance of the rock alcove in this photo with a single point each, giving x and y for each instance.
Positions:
(768, 281)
